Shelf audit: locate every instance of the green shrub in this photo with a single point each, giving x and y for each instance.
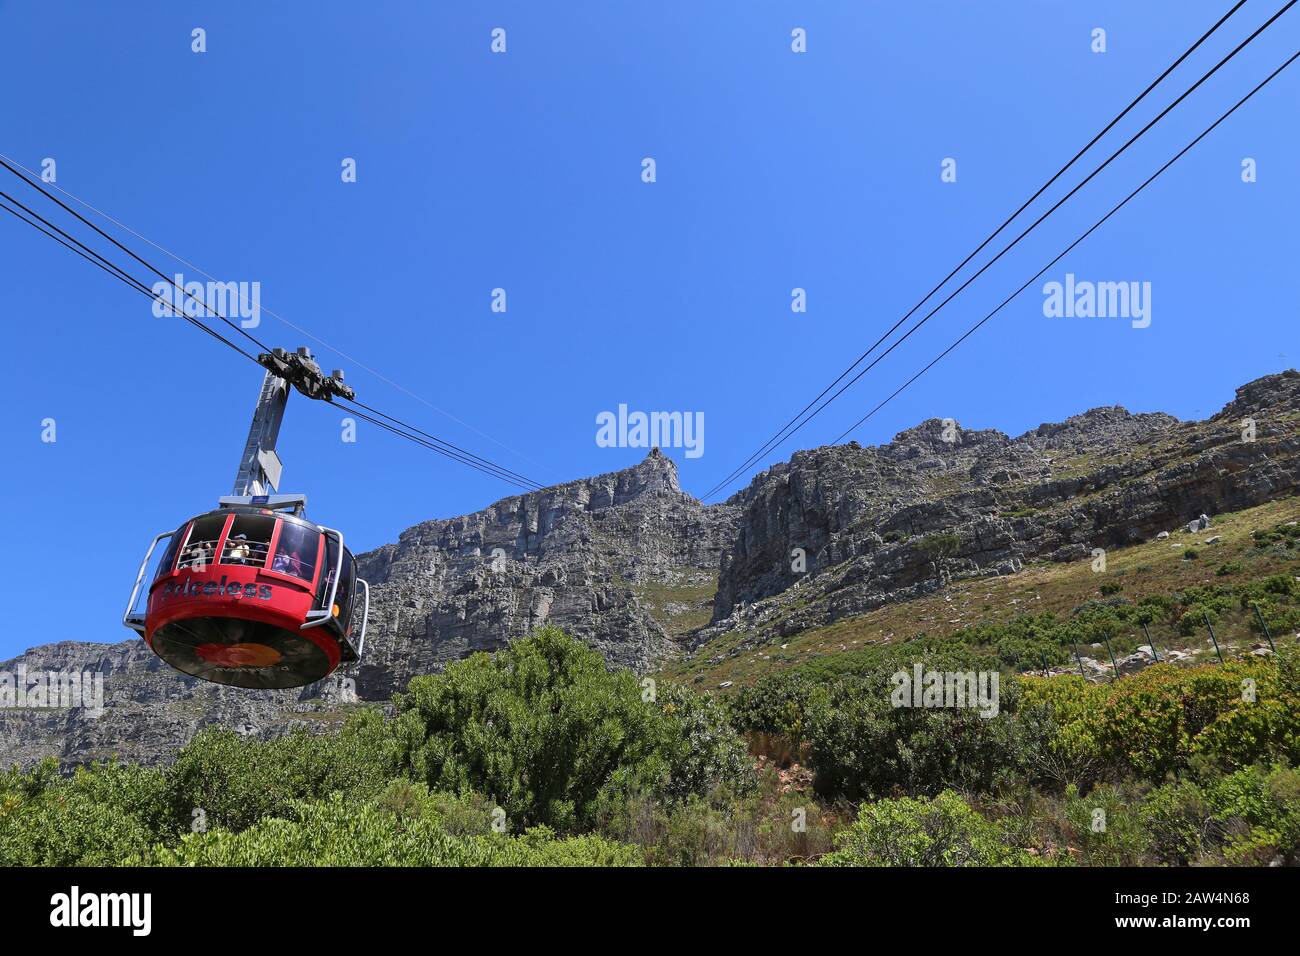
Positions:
(544, 728)
(1194, 618)
(767, 827)
(1179, 823)
(95, 818)
(1106, 827)
(865, 747)
(702, 749)
(337, 832)
(221, 779)
(1166, 719)
(777, 705)
(943, 831)
(939, 547)
(1258, 809)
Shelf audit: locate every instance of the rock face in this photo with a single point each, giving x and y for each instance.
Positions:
(638, 569)
(867, 519)
(149, 710)
(596, 557)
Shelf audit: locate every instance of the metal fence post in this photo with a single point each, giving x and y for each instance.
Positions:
(1106, 637)
(1214, 640)
(1151, 643)
(1264, 627)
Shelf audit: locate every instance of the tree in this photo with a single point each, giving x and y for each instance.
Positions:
(939, 548)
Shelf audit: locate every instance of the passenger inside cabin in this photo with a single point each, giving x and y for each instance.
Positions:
(239, 551)
(288, 563)
(295, 551)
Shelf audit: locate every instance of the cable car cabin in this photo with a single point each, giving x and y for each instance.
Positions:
(251, 597)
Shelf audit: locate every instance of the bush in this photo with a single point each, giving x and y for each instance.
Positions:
(221, 779)
(1282, 619)
(1194, 618)
(95, 818)
(775, 705)
(1167, 719)
(702, 749)
(768, 827)
(1178, 822)
(861, 746)
(864, 746)
(544, 728)
(1258, 809)
(337, 832)
(1105, 827)
(943, 831)
(1251, 816)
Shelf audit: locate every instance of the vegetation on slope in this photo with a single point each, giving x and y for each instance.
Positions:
(1153, 583)
(541, 755)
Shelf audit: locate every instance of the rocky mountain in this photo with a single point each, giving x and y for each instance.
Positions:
(635, 567)
(617, 560)
(868, 520)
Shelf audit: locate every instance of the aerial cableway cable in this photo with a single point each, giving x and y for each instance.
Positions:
(415, 435)
(352, 359)
(795, 424)
(443, 442)
(1056, 206)
(520, 482)
(208, 310)
(95, 259)
(1066, 251)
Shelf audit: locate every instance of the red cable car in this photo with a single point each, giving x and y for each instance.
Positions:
(252, 595)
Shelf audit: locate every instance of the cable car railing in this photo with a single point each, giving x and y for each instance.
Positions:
(197, 555)
(365, 617)
(134, 618)
(248, 553)
(318, 616)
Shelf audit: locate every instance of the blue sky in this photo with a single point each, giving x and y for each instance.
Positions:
(522, 171)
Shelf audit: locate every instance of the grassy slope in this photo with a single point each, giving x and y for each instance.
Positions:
(1156, 567)
(680, 608)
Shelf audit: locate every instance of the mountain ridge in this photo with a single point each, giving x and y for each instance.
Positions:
(639, 569)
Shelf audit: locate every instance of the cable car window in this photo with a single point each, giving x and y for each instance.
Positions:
(168, 560)
(343, 598)
(249, 540)
(200, 548)
(331, 559)
(295, 552)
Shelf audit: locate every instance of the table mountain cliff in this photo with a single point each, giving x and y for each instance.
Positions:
(642, 571)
